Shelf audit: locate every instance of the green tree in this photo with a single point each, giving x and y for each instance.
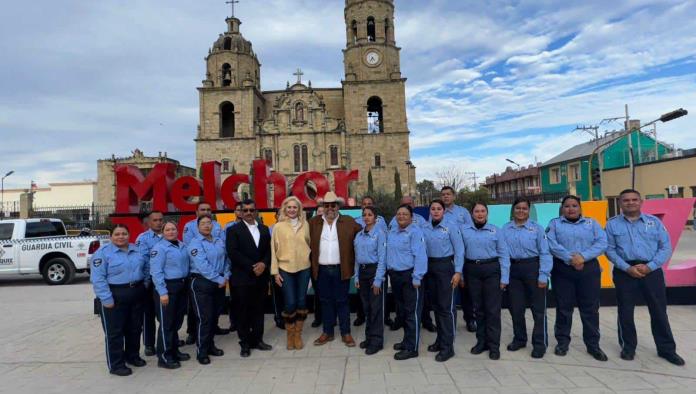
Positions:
(427, 191)
(468, 198)
(370, 183)
(397, 185)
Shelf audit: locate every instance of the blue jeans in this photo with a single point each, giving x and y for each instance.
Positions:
(295, 290)
(333, 293)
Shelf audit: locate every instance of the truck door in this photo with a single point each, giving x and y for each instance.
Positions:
(9, 252)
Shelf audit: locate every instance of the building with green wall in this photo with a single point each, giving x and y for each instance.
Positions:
(569, 172)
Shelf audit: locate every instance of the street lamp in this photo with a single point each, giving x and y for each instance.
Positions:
(2, 194)
(409, 165)
(515, 163)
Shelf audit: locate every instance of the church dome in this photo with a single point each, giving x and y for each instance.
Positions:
(232, 39)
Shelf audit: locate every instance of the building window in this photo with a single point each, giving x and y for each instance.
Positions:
(378, 160)
(258, 113)
(299, 112)
(574, 172)
(386, 29)
(226, 74)
(225, 165)
(268, 157)
(227, 44)
(555, 175)
(371, 29)
(354, 30)
(375, 115)
(300, 158)
(226, 120)
(679, 192)
(333, 149)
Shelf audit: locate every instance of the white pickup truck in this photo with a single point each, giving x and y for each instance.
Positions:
(42, 246)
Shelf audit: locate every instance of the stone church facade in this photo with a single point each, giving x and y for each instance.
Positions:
(360, 125)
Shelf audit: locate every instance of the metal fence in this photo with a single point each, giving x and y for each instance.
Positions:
(508, 198)
(77, 217)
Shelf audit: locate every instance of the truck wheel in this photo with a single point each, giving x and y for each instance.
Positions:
(58, 271)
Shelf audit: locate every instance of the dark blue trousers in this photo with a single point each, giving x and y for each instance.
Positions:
(409, 300)
(524, 291)
(170, 318)
(441, 294)
(122, 325)
(373, 306)
(333, 293)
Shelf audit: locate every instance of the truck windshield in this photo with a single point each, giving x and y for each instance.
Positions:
(6, 231)
(44, 229)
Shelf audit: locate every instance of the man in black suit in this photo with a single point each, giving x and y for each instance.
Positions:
(249, 249)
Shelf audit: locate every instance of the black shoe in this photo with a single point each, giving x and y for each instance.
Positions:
(363, 344)
(471, 326)
(181, 343)
(673, 358)
(316, 323)
(515, 346)
(429, 326)
(190, 339)
(444, 356)
(150, 351)
(479, 348)
(538, 353)
(359, 321)
(398, 346)
(598, 354)
(388, 322)
(560, 350)
(628, 356)
(405, 355)
(395, 326)
(372, 350)
(280, 324)
(136, 362)
(221, 331)
(123, 371)
(434, 348)
(204, 360)
(494, 354)
(182, 356)
(245, 352)
(168, 365)
(262, 346)
(213, 351)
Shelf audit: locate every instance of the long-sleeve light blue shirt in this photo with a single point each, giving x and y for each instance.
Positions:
(416, 219)
(111, 265)
(645, 239)
(371, 248)
(209, 259)
(443, 240)
(380, 224)
(459, 214)
(526, 241)
(168, 261)
(191, 231)
(584, 237)
(145, 242)
(406, 250)
(488, 242)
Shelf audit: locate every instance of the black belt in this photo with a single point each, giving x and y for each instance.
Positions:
(177, 280)
(447, 259)
(330, 266)
(481, 261)
(195, 275)
(126, 285)
(636, 262)
(526, 260)
(367, 265)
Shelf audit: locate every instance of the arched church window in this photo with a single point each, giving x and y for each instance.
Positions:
(386, 29)
(226, 74)
(300, 158)
(296, 159)
(370, 29)
(268, 157)
(375, 115)
(299, 112)
(225, 165)
(226, 120)
(305, 158)
(378, 160)
(354, 29)
(227, 44)
(333, 150)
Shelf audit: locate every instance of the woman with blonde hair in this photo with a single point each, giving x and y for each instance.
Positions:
(290, 267)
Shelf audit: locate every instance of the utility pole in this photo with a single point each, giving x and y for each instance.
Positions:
(630, 149)
(473, 176)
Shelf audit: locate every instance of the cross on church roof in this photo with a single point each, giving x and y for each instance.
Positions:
(232, 3)
(299, 74)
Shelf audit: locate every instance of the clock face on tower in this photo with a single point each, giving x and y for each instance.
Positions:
(372, 58)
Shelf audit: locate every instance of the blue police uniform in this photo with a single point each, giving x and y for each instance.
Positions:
(572, 287)
(461, 216)
(530, 264)
(417, 219)
(407, 263)
(169, 269)
(370, 266)
(486, 267)
(117, 278)
(144, 243)
(445, 250)
(380, 224)
(209, 270)
(191, 231)
(642, 241)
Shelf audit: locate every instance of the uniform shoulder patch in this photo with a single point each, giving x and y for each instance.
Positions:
(153, 253)
(194, 252)
(548, 229)
(96, 263)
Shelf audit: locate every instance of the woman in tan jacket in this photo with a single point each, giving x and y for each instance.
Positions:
(290, 266)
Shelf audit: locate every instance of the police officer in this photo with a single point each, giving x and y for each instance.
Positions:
(117, 276)
(530, 269)
(370, 265)
(462, 216)
(145, 242)
(169, 269)
(575, 243)
(445, 250)
(487, 273)
(407, 263)
(209, 273)
(638, 247)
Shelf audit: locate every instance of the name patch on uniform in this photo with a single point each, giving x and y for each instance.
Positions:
(96, 262)
(194, 252)
(650, 224)
(153, 253)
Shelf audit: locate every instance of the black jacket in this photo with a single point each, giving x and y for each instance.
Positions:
(243, 254)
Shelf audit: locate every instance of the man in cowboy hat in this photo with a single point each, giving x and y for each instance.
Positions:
(333, 265)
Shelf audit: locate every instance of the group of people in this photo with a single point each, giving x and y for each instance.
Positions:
(427, 263)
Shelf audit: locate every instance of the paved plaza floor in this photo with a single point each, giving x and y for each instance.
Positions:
(51, 342)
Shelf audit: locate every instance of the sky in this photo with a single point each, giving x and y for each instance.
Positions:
(82, 80)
